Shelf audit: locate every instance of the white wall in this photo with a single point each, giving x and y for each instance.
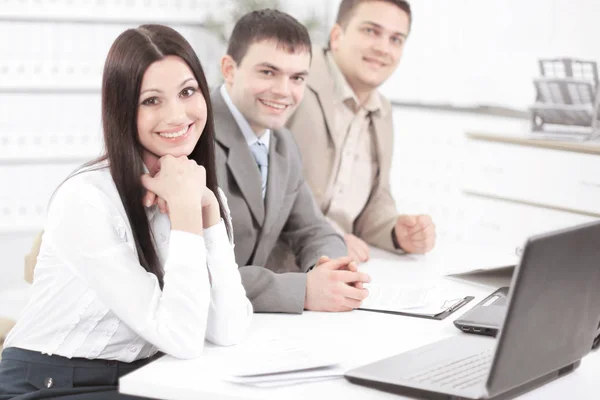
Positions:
(469, 52)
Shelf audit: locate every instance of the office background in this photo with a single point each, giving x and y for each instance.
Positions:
(461, 55)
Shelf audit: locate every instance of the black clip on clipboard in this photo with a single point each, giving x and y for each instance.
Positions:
(456, 304)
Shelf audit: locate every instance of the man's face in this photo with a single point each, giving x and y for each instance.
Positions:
(268, 84)
(369, 48)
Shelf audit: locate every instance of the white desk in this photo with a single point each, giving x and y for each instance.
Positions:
(368, 336)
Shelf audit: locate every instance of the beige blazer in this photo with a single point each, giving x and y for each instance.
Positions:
(313, 127)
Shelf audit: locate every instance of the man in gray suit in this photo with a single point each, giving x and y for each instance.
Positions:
(260, 170)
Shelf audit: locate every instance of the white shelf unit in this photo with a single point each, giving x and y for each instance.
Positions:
(439, 170)
(107, 11)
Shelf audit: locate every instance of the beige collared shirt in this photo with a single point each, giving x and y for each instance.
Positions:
(356, 162)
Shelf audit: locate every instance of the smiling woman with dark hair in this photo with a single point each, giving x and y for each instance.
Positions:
(136, 257)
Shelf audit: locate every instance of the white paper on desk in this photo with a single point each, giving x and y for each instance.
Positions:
(294, 381)
(277, 356)
(454, 259)
(435, 307)
(389, 297)
(289, 378)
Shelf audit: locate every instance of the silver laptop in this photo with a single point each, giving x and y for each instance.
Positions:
(553, 314)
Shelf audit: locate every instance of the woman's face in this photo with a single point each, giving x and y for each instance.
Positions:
(171, 111)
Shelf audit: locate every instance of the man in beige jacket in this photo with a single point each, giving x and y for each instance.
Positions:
(345, 133)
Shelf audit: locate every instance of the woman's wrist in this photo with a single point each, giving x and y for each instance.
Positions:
(211, 214)
(186, 217)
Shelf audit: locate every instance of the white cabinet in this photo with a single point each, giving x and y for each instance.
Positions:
(552, 176)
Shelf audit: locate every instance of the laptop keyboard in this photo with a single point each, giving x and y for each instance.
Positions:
(459, 374)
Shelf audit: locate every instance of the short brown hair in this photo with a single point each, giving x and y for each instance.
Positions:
(347, 7)
(264, 25)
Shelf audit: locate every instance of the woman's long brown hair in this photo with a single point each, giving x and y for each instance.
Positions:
(128, 59)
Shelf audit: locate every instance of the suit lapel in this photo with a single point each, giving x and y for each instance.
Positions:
(240, 161)
(246, 174)
(321, 83)
(276, 183)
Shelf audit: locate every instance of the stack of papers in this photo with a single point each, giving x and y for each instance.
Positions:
(391, 297)
(418, 301)
(279, 362)
(289, 378)
(460, 258)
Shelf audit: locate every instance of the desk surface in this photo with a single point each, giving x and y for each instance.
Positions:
(589, 147)
(369, 335)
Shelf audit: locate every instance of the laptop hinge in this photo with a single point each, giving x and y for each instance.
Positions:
(568, 368)
(485, 393)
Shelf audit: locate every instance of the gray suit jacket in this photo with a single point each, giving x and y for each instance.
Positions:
(288, 212)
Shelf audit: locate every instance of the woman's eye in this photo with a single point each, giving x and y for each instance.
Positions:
(187, 92)
(150, 101)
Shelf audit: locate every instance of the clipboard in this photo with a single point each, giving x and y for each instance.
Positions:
(456, 304)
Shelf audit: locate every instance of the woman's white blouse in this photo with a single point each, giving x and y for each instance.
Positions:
(91, 298)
